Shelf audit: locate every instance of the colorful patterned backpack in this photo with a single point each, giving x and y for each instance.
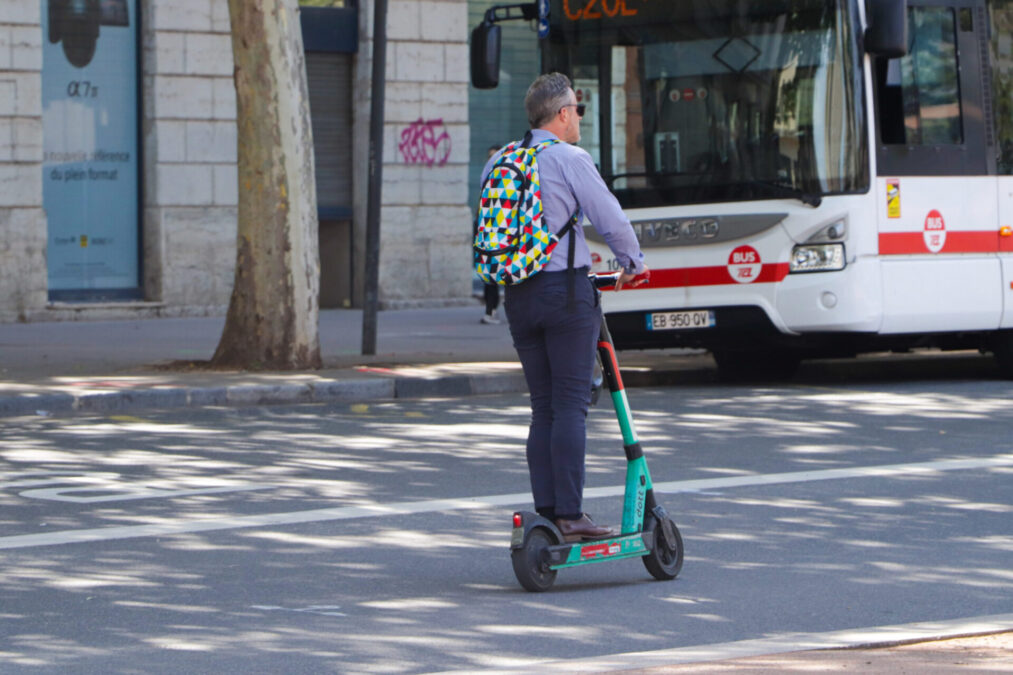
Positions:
(512, 239)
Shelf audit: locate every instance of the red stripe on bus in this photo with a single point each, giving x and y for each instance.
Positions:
(710, 276)
(908, 243)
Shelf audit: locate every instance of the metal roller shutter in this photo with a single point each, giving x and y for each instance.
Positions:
(329, 78)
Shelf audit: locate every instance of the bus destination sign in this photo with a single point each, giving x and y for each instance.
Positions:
(582, 10)
(574, 14)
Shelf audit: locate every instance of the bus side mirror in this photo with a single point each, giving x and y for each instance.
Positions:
(485, 48)
(886, 33)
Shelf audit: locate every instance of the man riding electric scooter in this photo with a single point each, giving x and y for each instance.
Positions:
(546, 181)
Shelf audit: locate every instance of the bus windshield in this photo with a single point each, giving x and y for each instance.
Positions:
(717, 100)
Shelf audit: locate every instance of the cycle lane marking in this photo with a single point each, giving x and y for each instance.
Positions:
(189, 526)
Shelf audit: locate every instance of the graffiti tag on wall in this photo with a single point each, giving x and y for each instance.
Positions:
(425, 142)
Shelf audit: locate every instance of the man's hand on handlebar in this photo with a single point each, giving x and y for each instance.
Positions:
(632, 280)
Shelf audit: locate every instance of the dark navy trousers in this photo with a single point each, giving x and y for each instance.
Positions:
(556, 345)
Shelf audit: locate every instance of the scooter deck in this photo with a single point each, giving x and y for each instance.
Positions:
(570, 554)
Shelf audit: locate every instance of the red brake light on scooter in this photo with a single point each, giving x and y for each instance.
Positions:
(517, 520)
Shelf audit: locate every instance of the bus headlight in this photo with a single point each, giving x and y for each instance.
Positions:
(817, 258)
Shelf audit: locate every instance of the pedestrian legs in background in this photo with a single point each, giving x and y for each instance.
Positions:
(491, 304)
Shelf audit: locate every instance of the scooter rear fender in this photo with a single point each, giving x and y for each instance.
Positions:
(530, 521)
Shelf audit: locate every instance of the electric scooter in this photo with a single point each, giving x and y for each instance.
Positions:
(537, 547)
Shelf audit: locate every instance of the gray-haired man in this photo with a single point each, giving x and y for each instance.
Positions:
(555, 334)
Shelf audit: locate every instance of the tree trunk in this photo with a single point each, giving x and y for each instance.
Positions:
(272, 320)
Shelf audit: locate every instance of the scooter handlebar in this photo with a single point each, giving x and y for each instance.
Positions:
(604, 280)
(607, 280)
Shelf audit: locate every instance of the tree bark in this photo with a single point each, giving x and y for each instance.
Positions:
(272, 321)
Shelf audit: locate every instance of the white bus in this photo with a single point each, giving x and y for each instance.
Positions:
(807, 177)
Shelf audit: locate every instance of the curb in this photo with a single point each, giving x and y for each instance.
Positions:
(322, 391)
(315, 392)
(260, 394)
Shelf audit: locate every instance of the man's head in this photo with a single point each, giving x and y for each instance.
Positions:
(551, 105)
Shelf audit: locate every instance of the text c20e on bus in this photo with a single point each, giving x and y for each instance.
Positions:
(596, 9)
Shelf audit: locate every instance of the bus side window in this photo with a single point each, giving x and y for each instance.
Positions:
(919, 94)
(890, 99)
(1001, 58)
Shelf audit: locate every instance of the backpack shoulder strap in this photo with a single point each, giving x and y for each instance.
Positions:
(506, 150)
(571, 273)
(544, 144)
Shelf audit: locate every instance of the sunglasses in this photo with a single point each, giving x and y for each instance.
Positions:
(581, 108)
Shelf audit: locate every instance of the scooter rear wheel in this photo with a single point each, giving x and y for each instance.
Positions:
(665, 560)
(530, 566)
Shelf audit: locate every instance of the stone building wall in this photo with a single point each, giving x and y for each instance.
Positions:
(189, 190)
(22, 220)
(189, 132)
(425, 249)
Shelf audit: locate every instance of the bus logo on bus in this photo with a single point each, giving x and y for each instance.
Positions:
(935, 231)
(744, 264)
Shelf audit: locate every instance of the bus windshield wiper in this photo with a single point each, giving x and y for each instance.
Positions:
(813, 199)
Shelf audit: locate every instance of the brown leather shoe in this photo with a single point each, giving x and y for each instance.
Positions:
(582, 529)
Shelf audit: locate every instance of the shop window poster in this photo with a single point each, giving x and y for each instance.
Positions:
(90, 144)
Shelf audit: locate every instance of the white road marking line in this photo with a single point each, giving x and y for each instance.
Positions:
(780, 644)
(880, 471)
(324, 610)
(129, 492)
(185, 526)
(105, 486)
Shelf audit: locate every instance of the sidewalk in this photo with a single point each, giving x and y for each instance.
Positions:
(970, 645)
(106, 366)
(992, 653)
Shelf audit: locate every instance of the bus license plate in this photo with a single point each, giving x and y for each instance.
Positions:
(699, 318)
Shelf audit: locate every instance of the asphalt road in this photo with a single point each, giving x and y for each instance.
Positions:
(373, 538)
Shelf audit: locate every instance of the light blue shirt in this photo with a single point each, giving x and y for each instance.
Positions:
(570, 181)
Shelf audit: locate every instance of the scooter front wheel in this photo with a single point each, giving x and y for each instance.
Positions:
(530, 561)
(665, 559)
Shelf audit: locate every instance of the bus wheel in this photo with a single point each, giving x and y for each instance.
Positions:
(1002, 349)
(755, 364)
